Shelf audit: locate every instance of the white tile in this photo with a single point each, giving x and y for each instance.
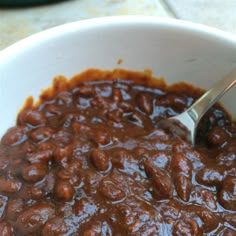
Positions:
(18, 23)
(217, 13)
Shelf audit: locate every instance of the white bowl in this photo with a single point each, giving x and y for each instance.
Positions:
(177, 50)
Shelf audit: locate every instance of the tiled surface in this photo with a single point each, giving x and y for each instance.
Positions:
(217, 13)
(18, 23)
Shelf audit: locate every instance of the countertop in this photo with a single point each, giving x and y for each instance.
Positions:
(17, 23)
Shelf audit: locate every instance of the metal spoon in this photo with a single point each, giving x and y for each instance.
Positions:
(186, 123)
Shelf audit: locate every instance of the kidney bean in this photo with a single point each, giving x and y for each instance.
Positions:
(34, 172)
(9, 185)
(41, 134)
(161, 182)
(145, 103)
(227, 193)
(40, 157)
(100, 159)
(63, 191)
(111, 191)
(185, 228)
(217, 136)
(210, 176)
(34, 217)
(62, 155)
(55, 226)
(13, 136)
(6, 229)
(14, 207)
(31, 117)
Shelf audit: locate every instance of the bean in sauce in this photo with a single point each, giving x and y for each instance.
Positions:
(89, 159)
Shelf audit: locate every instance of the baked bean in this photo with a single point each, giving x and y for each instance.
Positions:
(226, 159)
(40, 157)
(3, 203)
(97, 229)
(85, 90)
(126, 107)
(32, 118)
(208, 218)
(145, 103)
(31, 193)
(9, 185)
(41, 134)
(14, 208)
(33, 218)
(227, 193)
(52, 110)
(230, 219)
(34, 172)
(117, 95)
(182, 169)
(74, 166)
(205, 197)
(62, 138)
(63, 191)
(100, 159)
(6, 229)
(55, 226)
(91, 160)
(160, 159)
(47, 145)
(173, 100)
(64, 98)
(111, 191)
(162, 184)
(115, 115)
(210, 176)
(102, 138)
(62, 155)
(185, 228)
(14, 135)
(217, 136)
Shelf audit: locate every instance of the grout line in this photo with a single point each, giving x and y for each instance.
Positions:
(169, 9)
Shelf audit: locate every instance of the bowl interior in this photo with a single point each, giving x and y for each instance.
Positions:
(176, 50)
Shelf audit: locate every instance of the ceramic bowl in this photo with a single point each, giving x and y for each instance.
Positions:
(176, 50)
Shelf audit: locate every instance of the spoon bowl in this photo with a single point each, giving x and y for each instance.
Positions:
(185, 124)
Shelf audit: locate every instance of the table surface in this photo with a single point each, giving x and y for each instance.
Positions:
(18, 23)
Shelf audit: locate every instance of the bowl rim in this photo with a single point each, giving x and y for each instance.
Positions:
(57, 31)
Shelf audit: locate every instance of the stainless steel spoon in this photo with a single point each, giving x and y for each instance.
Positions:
(186, 123)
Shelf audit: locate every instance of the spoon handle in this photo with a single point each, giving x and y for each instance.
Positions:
(208, 99)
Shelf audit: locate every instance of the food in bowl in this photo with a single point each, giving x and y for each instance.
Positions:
(89, 159)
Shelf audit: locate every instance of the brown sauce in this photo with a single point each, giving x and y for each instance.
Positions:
(88, 159)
